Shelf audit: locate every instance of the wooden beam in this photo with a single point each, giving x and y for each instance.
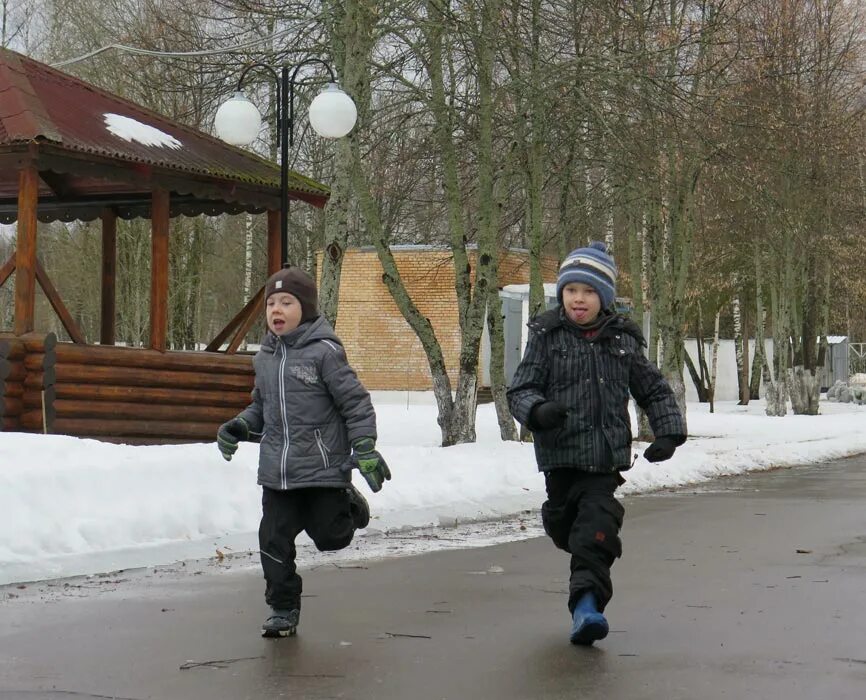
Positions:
(63, 373)
(58, 305)
(159, 270)
(196, 413)
(59, 184)
(149, 429)
(238, 319)
(140, 358)
(109, 276)
(25, 253)
(85, 391)
(255, 310)
(274, 250)
(7, 269)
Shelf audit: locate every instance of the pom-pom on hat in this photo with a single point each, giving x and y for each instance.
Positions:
(300, 285)
(592, 265)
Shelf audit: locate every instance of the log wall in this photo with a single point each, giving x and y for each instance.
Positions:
(141, 396)
(27, 376)
(118, 394)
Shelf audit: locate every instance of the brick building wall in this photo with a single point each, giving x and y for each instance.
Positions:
(381, 346)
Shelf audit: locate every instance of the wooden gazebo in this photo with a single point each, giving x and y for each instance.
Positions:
(71, 151)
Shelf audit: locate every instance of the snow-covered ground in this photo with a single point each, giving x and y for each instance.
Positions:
(70, 506)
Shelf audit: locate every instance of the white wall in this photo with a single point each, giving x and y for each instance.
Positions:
(726, 377)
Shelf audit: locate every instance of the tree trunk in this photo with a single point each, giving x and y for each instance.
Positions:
(419, 323)
(702, 360)
(758, 362)
(352, 25)
(507, 428)
(471, 299)
(804, 388)
(776, 400)
(774, 379)
(456, 416)
(248, 263)
(714, 363)
(535, 166)
(742, 377)
(760, 358)
(696, 379)
(774, 386)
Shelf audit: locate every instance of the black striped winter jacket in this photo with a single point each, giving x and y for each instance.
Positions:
(592, 377)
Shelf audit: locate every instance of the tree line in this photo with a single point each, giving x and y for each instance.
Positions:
(716, 146)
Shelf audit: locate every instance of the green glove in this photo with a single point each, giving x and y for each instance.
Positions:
(230, 434)
(370, 463)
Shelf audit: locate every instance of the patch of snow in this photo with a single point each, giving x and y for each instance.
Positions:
(132, 130)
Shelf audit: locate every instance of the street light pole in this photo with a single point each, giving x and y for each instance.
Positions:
(286, 121)
(332, 115)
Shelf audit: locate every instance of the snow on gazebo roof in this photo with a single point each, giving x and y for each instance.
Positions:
(95, 149)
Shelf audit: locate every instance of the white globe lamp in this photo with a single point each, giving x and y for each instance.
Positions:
(238, 121)
(332, 113)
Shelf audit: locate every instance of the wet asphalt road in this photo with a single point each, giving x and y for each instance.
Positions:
(753, 587)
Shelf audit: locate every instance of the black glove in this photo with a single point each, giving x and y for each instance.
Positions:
(661, 449)
(547, 415)
(370, 463)
(230, 434)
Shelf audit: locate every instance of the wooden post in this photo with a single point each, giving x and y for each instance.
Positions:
(25, 253)
(159, 219)
(274, 250)
(109, 275)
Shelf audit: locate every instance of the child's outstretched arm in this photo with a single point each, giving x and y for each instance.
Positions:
(655, 396)
(529, 385)
(350, 397)
(353, 402)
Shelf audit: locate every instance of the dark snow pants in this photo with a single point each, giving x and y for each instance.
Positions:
(582, 517)
(326, 516)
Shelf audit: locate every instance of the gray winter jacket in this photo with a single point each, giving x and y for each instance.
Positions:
(309, 407)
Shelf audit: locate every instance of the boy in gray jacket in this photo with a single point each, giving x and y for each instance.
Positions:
(316, 422)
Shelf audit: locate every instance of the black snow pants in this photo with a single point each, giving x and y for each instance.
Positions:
(582, 517)
(326, 516)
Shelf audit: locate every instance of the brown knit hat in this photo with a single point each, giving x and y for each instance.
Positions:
(300, 285)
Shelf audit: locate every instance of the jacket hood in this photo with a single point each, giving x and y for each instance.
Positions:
(308, 332)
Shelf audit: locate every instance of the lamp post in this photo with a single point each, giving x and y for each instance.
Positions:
(332, 115)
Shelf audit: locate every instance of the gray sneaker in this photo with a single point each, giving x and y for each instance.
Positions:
(359, 508)
(281, 623)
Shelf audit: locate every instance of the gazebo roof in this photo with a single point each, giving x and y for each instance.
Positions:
(95, 150)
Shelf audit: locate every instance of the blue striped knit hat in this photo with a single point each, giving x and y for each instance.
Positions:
(593, 266)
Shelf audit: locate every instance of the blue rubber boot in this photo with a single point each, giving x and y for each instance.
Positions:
(588, 624)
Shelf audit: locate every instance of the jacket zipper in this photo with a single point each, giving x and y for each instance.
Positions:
(285, 420)
(322, 448)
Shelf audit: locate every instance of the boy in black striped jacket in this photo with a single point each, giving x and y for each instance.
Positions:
(571, 390)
